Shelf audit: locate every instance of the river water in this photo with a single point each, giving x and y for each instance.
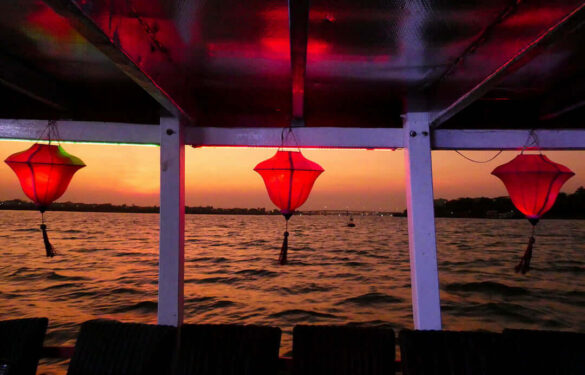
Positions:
(107, 267)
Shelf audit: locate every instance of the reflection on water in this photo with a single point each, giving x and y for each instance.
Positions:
(107, 267)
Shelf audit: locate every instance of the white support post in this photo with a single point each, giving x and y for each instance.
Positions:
(172, 222)
(426, 305)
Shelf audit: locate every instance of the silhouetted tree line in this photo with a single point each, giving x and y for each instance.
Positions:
(567, 206)
(17, 204)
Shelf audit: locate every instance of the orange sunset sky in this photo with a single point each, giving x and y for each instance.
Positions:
(223, 177)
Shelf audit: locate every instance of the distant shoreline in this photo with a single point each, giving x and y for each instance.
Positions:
(19, 205)
(570, 207)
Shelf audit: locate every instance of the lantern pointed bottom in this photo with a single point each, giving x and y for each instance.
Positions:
(533, 221)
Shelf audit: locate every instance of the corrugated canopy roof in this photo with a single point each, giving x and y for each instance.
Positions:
(332, 63)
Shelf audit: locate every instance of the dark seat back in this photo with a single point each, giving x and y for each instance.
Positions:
(21, 342)
(546, 352)
(209, 349)
(108, 347)
(343, 350)
(452, 353)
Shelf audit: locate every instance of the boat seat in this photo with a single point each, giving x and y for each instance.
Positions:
(546, 352)
(21, 342)
(210, 349)
(453, 353)
(343, 350)
(109, 347)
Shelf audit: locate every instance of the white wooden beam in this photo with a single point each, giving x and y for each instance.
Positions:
(312, 137)
(426, 305)
(172, 223)
(305, 137)
(447, 139)
(83, 131)
(110, 132)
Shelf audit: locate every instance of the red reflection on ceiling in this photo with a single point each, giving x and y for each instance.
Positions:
(275, 14)
(148, 40)
(330, 17)
(270, 48)
(281, 46)
(281, 15)
(50, 23)
(537, 17)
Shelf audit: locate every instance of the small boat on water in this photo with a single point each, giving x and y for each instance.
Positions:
(350, 223)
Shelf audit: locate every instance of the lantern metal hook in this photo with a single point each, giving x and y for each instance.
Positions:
(51, 132)
(531, 140)
(284, 137)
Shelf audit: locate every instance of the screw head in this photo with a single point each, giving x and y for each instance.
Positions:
(412, 133)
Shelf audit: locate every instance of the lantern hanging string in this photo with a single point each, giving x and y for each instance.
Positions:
(523, 265)
(479, 161)
(50, 250)
(52, 133)
(282, 258)
(283, 138)
(531, 140)
(534, 142)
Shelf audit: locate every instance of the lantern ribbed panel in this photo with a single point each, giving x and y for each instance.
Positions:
(289, 178)
(533, 182)
(44, 172)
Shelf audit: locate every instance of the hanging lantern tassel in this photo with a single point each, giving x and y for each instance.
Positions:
(282, 258)
(524, 265)
(48, 247)
(284, 250)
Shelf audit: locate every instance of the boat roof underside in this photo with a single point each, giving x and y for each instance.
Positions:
(232, 63)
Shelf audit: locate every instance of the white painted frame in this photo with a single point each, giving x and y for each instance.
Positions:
(424, 275)
(172, 223)
(307, 137)
(415, 137)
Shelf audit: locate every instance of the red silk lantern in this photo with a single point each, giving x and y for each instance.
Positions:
(44, 172)
(289, 178)
(533, 183)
